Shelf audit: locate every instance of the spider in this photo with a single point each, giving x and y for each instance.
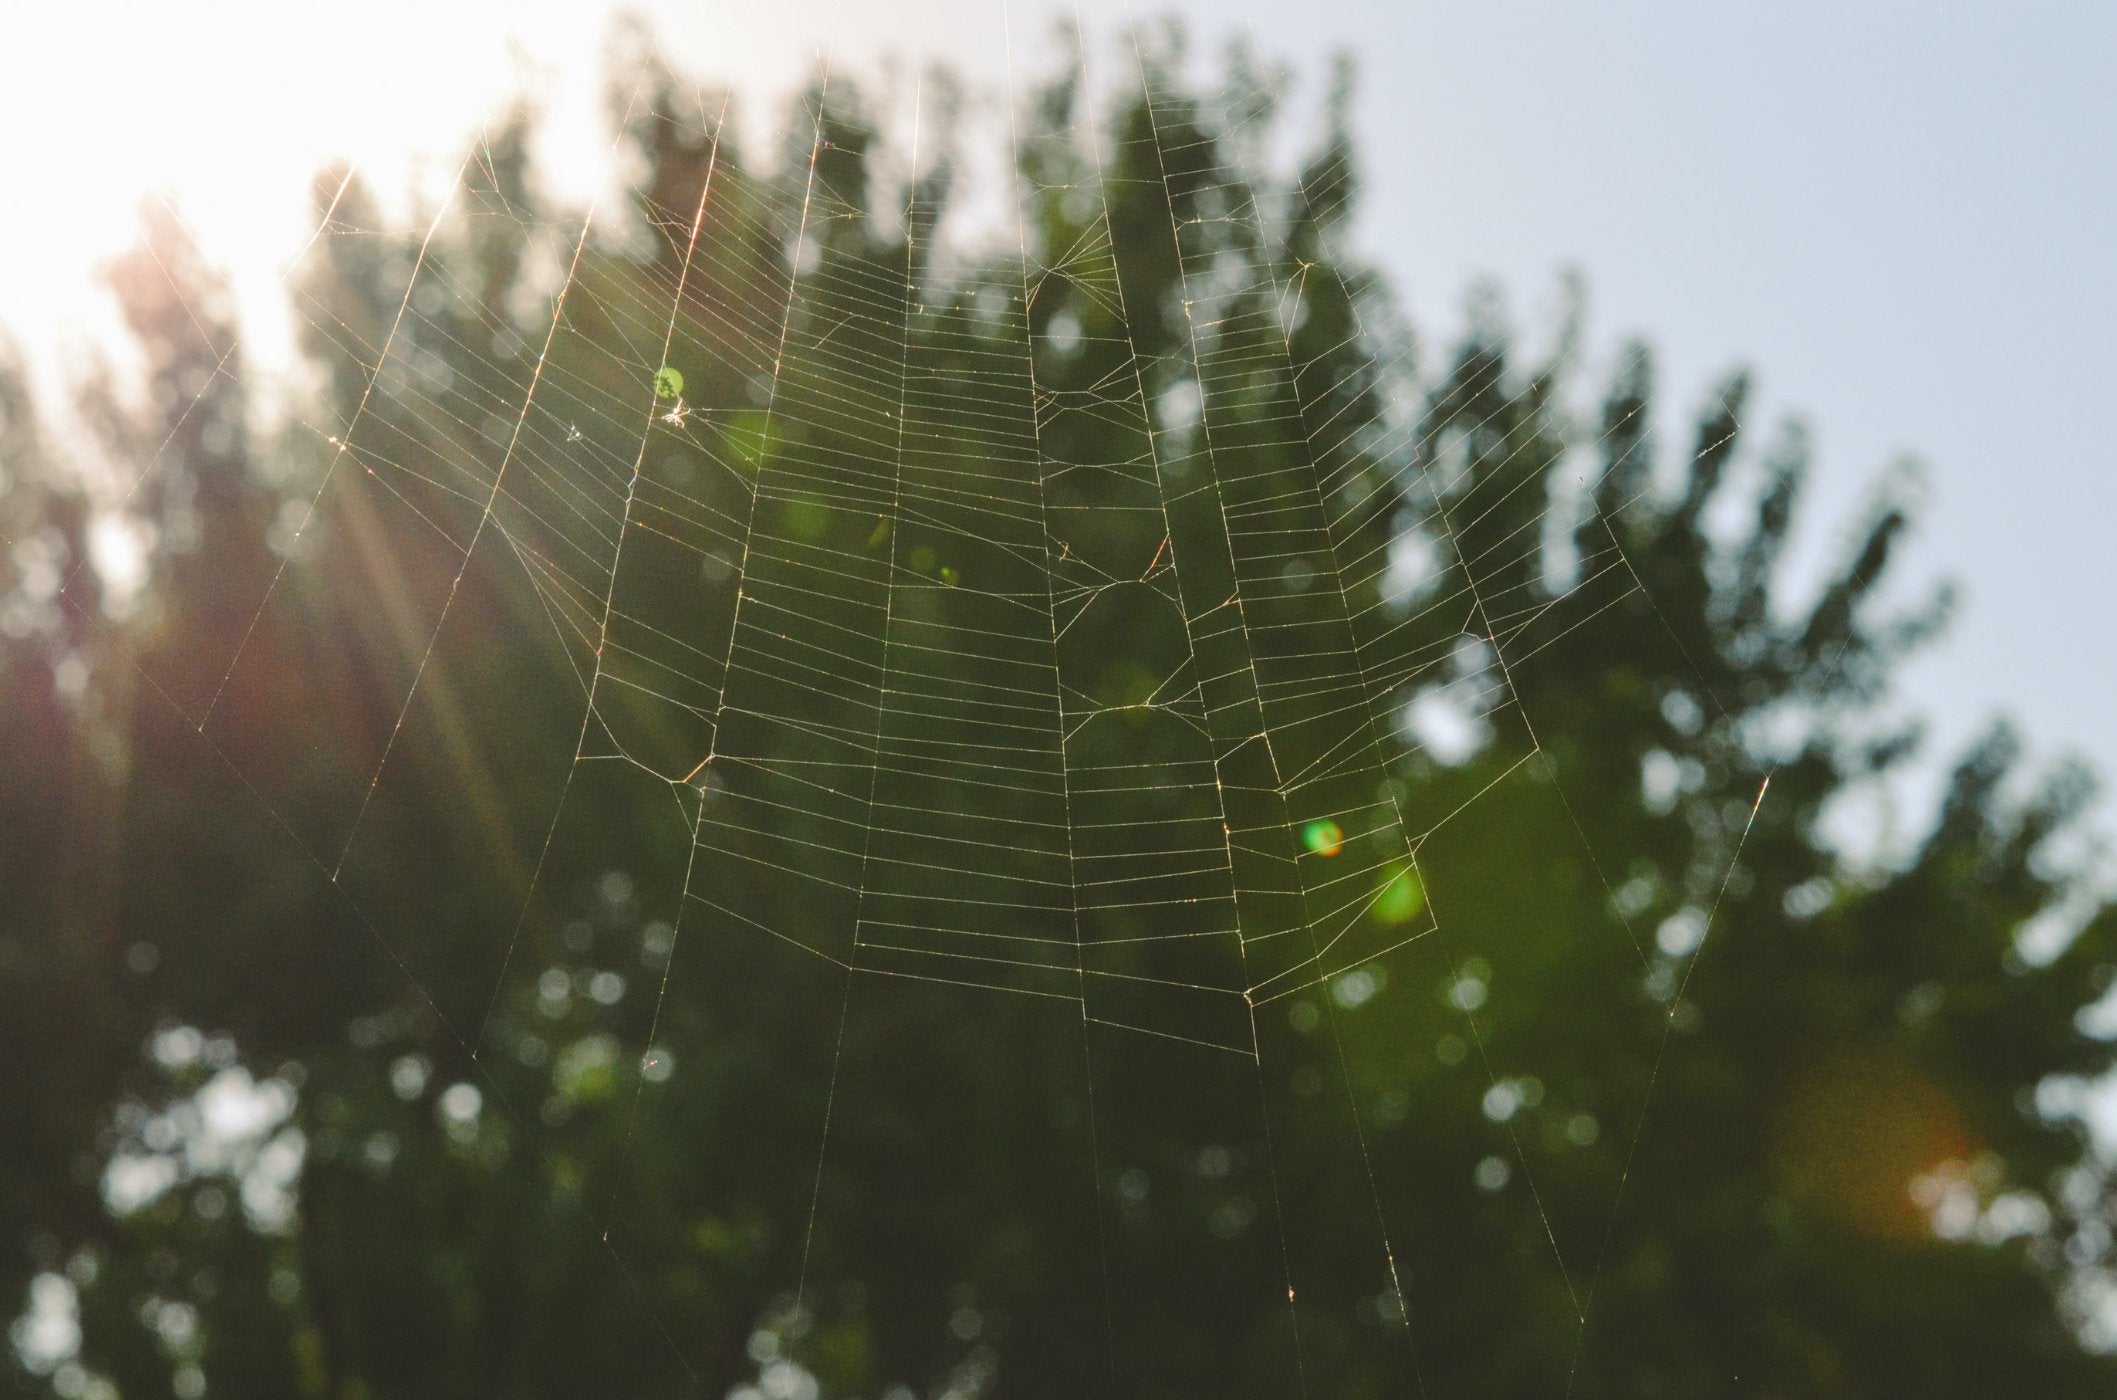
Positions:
(677, 415)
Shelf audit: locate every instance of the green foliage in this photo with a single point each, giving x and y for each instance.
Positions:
(1582, 1039)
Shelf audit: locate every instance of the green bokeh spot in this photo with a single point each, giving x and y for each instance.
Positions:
(1130, 687)
(1323, 838)
(586, 1070)
(751, 436)
(668, 382)
(1401, 899)
(716, 1239)
(807, 520)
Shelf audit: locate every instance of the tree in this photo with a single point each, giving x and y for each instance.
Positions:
(1123, 839)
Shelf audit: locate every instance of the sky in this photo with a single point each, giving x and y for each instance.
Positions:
(1899, 215)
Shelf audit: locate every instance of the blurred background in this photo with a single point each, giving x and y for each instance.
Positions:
(991, 701)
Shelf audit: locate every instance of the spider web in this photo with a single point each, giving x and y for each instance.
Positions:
(838, 617)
